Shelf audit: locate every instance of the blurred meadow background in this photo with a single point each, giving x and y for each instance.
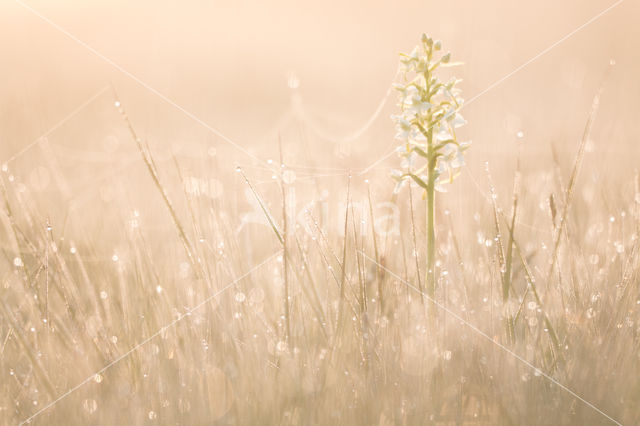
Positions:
(198, 224)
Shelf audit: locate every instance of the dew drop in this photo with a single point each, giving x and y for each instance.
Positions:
(90, 405)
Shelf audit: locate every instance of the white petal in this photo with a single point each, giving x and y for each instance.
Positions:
(458, 121)
(443, 135)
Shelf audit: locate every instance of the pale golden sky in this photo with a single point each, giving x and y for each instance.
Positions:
(227, 62)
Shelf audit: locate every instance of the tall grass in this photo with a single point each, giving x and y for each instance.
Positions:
(330, 329)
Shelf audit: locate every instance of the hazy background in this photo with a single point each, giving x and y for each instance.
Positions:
(233, 64)
(228, 62)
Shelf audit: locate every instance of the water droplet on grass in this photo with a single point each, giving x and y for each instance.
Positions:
(90, 405)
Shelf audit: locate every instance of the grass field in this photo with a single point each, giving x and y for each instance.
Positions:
(200, 282)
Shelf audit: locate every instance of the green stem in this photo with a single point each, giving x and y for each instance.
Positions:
(431, 194)
(431, 235)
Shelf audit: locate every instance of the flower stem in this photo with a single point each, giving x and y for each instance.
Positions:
(431, 235)
(431, 198)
